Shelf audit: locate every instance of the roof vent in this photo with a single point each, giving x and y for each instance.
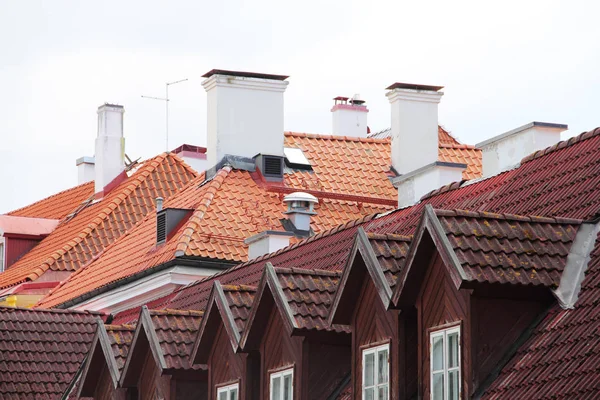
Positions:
(270, 166)
(300, 209)
(169, 220)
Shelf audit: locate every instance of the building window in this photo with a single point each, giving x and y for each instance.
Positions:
(445, 364)
(228, 392)
(282, 385)
(376, 376)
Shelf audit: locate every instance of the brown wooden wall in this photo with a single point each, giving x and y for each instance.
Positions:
(105, 389)
(329, 365)
(279, 350)
(227, 367)
(373, 325)
(189, 390)
(149, 379)
(440, 304)
(16, 248)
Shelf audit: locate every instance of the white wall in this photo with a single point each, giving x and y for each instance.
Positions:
(266, 244)
(110, 145)
(414, 186)
(349, 120)
(245, 116)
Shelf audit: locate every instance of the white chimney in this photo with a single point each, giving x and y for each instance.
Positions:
(245, 114)
(267, 242)
(300, 209)
(508, 149)
(194, 156)
(85, 169)
(349, 116)
(110, 146)
(415, 142)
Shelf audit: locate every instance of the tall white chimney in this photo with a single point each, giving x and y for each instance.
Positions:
(245, 114)
(349, 116)
(110, 146)
(415, 142)
(508, 149)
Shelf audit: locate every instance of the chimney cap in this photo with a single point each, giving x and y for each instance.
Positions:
(243, 74)
(300, 196)
(414, 86)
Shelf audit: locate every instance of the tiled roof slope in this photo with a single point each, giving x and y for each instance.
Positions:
(309, 294)
(41, 351)
(120, 337)
(239, 298)
(79, 240)
(498, 248)
(59, 205)
(391, 251)
(450, 150)
(176, 332)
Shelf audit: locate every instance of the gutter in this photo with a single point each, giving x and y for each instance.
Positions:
(182, 261)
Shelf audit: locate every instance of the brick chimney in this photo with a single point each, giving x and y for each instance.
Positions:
(110, 146)
(245, 114)
(349, 116)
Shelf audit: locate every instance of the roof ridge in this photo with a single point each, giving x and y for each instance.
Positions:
(562, 144)
(53, 310)
(389, 236)
(306, 271)
(190, 227)
(172, 311)
(336, 137)
(238, 288)
(506, 216)
(48, 197)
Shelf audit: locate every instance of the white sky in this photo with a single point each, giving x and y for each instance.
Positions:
(503, 65)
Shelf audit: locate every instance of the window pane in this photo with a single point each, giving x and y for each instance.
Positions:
(276, 388)
(383, 393)
(437, 353)
(453, 350)
(287, 387)
(382, 366)
(233, 395)
(223, 395)
(453, 377)
(369, 394)
(369, 369)
(437, 391)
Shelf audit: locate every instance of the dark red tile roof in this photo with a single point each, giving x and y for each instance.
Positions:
(239, 298)
(391, 251)
(120, 337)
(310, 294)
(501, 248)
(42, 350)
(176, 331)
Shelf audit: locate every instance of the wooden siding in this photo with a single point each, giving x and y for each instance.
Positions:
(16, 248)
(280, 350)
(328, 367)
(189, 390)
(149, 379)
(105, 389)
(440, 304)
(227, 367)
(372, 324)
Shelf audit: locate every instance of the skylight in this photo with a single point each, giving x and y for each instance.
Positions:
(295, 157)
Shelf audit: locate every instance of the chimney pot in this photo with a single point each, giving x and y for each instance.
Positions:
(300, 209)
(159, 204)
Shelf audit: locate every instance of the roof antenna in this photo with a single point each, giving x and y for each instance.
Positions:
(166, 100)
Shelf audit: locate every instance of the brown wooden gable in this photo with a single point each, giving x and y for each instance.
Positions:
(361, 264)
(101, 362)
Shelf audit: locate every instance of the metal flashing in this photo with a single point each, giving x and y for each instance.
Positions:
(578, 259)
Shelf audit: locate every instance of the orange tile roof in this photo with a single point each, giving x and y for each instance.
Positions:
(82, 238)
(58, 205)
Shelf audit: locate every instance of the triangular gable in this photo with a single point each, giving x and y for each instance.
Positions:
(491, 249)
(144, 339)
(218, 310)
(361, 263)
(269, 294)
(101, 354)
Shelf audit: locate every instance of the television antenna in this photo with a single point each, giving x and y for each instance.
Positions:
(166, 100)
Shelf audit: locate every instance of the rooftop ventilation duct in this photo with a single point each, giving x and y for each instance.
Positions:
(300, 209)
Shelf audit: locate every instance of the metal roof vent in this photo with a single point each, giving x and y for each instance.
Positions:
(168, 220)
(270, 166)
(300, 208)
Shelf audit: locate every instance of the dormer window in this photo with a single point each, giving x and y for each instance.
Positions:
(376, 377)
(445, 364)
(229, 392)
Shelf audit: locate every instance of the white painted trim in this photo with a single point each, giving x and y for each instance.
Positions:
(443, 333)
(376, 384)
(144, 290)
(228, 389)
(282, 375)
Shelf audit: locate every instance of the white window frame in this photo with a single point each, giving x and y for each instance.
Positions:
(376, 350)
(281, 374)
(228, 389)
(444, 334)
(2, 254)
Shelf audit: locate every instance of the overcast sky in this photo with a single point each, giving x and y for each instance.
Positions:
(502, 66)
